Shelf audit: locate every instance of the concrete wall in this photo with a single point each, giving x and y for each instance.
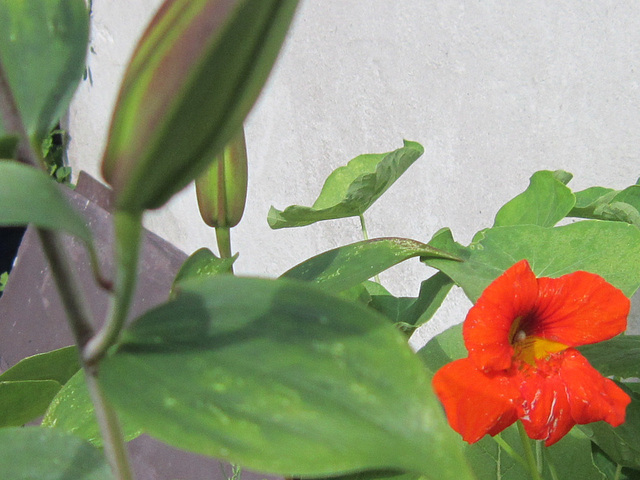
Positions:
(494, 90)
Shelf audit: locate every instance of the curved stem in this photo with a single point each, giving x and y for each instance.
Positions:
(365, 235)
(127, 229)
(528, 453)
(618, 472)
(112, 437)
(510, 451)
(73, 298)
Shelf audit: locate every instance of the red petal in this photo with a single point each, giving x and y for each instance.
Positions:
(545, 412)
(591, 396)
(475, 403)
(578, 309)
(486, 328)
(566, 390)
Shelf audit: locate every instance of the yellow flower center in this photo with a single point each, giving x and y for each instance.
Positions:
(529, 348)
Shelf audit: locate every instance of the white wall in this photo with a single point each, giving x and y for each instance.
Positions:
(494, 90)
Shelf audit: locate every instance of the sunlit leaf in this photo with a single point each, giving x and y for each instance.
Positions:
(59, 365)
(23, 401)
(43, 44)
(545, 202)
(345, 267)
(202, 263)
(71, 410)
(609, 249)
(350, 190)
(608, 204)
(44, 454)
(281, 377)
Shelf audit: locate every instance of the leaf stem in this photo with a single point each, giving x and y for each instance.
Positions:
(528, 453)
(539, 447)
(223, 239)
(73, 299)
(618, 472)
(112, 437)
(365, 235)
(510, 451)
(127, 229)
(550, 465)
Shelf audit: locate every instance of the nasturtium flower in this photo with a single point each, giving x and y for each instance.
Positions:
(522, 364)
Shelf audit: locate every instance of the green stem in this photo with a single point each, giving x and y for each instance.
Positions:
(73, 298)
(510, 451)
(127, 229)
(549, 462)
(528, 453)
(112, 437)
(618, 472)
(539, 447)
(223, 239)
(365, 235)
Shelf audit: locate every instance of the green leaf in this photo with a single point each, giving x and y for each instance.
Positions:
(71, 410)
(609, 468)
(409, 313)
(609, 249)
(43, 44)
(444, 348)
(59, 365)
(545, 202)
(27, 388)
(621, 444)
(193, 78)
(43, 454)
(432, 293)
(350, 190)
(619, 357)
(202, 263)
(608, 204)
(281, 377)
(570, 458)
(23, 401)
(376, 475)
(347, 266)
(28, 195)
(8, 143)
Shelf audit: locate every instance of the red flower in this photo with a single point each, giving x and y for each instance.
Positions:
(522, 365)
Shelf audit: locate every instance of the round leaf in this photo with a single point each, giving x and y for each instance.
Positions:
(609, 249)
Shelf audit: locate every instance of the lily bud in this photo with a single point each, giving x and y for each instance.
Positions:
(194, 76)
(222, 189)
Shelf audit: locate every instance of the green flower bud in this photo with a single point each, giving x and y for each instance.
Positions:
(222, 189)
(194, 76)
